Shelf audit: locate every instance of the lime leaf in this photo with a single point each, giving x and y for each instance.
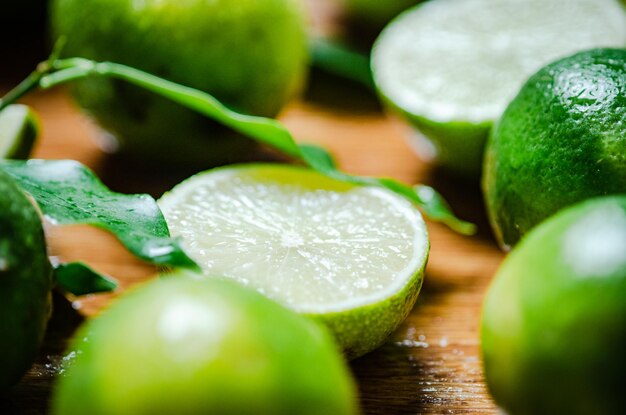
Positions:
(339, 60)
(263, 130)
(79, 279)
(68, 193)
(427, 198)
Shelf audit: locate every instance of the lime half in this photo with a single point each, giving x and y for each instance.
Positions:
(450, 67)
(352, 257)
(19, 129)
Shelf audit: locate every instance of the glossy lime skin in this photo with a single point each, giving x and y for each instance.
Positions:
(554, 319)
(250, 54)
(183, 345)
(25, 283)
(560, 141)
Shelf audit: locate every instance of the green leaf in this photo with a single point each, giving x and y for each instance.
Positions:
(79, 279)
(263, 130)
(339, 60)
(68, 193)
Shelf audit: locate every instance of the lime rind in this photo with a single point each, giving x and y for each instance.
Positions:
(19, 129)
(455, 64)
(25, 283)
(350, 256)
(560, 141)
(565, 280)
(189, 346)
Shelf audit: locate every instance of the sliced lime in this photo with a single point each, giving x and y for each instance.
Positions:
(451, 66)
(19, 129)
(352, 257)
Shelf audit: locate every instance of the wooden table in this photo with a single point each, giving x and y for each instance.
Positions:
(439, 374)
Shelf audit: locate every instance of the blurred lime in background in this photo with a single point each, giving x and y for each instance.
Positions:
(187, 346)
(554, 319)
(560, 141)
(450, 67)
(250, 54)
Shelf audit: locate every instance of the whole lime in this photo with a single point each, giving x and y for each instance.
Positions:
(25, 283)
(561, 140)
(250, 54)
(181, 345)
(554, 319)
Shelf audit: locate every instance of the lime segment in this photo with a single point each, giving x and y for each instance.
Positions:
(19, 129)
(319, 246)
(451, 66)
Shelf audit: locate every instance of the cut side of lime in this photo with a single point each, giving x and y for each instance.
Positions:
(19, 129)
(350, 256)
(451, 66)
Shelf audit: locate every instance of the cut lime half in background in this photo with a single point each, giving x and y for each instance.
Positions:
(450, 67)
(352, 257)
(19, 128)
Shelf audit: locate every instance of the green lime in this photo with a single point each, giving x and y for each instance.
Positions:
(352, 257)
(250, 54)
(561, 140)
(19, 128)
(25, 283)
(450, 67)
(554, 319)
(187, 346)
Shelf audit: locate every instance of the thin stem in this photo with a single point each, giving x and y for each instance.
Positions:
(33, 80)
(267, 130)
(27, 85)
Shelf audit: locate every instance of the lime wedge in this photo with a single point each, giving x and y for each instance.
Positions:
(451, 66)
(19, 128)
(352, 257)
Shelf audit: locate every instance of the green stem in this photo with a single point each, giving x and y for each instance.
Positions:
(264, 130)
(27, 85)
(267, 130)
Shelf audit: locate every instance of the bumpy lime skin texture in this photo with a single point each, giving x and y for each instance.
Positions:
(366, 328)
(187, 346)
(250, 54)
(554, 319)
(25, 283)
(560, 141)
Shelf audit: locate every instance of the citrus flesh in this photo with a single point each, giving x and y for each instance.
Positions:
(187, 346)
(25, 283)
(450, 67)
(19, 129)
(250, 54)
(554, 319)
(560, 141)
(352, 257)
